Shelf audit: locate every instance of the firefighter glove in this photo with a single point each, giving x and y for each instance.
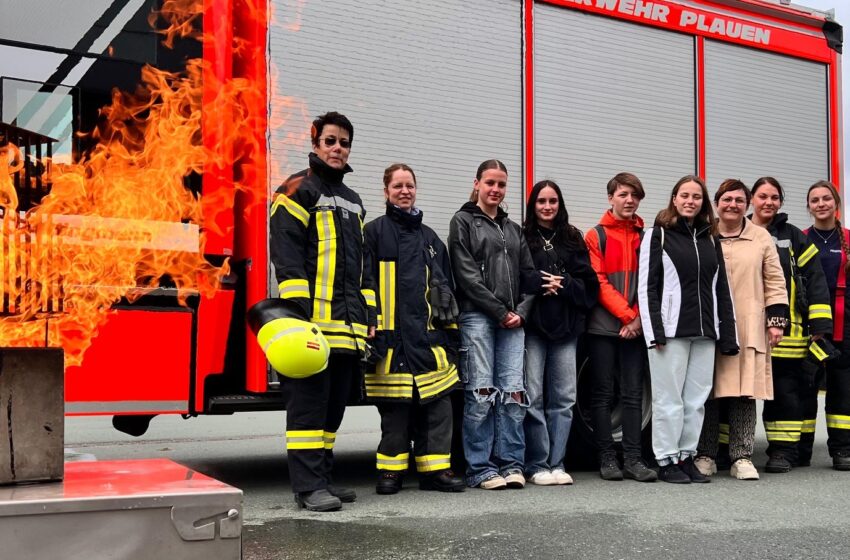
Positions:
(443, 304)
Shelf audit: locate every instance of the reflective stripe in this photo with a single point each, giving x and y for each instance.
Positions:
(280, 334)
(838, 421)
(325, 266)
(431, 463)
(788, 353)
(724, 434)
(430, 325)
(820, 311)
(808, 426)
(393, 462)
(329, 438)
(817, 352)
(386, 288)
(305, 439)
(449, 381)
(807, 255)
(440, 356)
(88, 407)
(295, 210)
(369, 296)
(782, 436)
(783, 430)
(296, 288)
(796, 328)
(331, 203)
(342, 342)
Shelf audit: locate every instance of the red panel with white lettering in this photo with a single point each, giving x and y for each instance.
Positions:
(139, 363)
(717, 22)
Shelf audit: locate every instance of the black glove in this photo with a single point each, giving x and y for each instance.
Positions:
(443, 305)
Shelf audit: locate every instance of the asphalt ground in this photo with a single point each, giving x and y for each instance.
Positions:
(802, 514)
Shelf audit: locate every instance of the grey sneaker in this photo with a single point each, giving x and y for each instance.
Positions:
(636, 469)
(609, 469)
(515, 480)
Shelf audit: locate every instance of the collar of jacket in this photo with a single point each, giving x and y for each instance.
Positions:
(701, 228)
(325, 171)
(409, 220)
(777, 223)
(473, 208)
(609, 220)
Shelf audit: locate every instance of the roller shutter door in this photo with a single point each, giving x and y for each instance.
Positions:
(611, 96)
(766, 114)
(437, 85)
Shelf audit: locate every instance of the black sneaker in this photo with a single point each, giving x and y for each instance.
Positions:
(691, 471)
(318, 500)
(609, 469)
(673, 474)
(636, 469)
(777, 463)
(443, 481)
(389, 482)
(841, 461)
(345, 495)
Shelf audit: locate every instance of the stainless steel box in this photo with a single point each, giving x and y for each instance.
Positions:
(150, 509)
(32, 421)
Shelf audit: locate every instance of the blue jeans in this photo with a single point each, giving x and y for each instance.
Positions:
(551, 386)
(491, 362)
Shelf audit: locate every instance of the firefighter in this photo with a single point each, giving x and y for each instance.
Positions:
(415, 344)
(317, 250)
(810, 319)
(834, 243)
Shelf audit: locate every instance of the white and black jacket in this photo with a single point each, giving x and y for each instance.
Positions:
(682, 287)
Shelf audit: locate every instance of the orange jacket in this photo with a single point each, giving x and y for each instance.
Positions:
(617, 271)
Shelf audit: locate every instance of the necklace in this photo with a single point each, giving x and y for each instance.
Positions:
(828, 237)
(547, 243)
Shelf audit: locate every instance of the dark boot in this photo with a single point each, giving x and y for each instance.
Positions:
(345, 495)
(609, 469)
(673, 474)
(777, 463)
(389, 482)
(841, 461)
(636, 469)
(443, 481)
(318, 500)
(689, 468)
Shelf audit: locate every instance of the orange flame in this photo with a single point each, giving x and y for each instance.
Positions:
(121, 222)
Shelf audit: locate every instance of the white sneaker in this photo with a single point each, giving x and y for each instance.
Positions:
(743, 469)
(543, 478)
(515, 480)
(561, 476)
(705, 465)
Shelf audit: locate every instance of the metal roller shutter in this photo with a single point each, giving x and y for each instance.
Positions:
(766, 114)
(436, 85)
(611, 96)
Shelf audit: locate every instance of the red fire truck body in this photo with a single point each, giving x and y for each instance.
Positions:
(572, 90)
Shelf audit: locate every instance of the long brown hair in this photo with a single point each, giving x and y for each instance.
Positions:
(841, 236)
(669, 217)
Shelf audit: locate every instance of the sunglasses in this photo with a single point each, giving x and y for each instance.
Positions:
(330, 142)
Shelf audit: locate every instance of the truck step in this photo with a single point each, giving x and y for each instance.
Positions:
(225, 404)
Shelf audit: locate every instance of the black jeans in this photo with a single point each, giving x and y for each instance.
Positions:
(614, 359)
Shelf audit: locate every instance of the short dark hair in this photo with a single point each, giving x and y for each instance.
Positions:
(761, 181)
(732, 185)
(626, 180)
(332, 118)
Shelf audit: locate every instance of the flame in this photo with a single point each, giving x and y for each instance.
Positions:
(121, 222)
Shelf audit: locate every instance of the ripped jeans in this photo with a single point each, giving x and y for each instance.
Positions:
(491, 365)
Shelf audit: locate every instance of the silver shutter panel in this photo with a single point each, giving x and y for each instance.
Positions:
(766, 114)
(436, 85)
(611, 96)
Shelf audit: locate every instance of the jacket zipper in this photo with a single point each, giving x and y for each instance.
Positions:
(507, 263)
(699, 275)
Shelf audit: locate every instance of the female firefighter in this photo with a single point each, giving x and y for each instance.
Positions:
(810, 319)
(414, 347)
(833, 240)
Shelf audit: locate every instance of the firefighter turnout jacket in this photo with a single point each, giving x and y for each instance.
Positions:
(808, 294)
(316, 247)
(411, 351)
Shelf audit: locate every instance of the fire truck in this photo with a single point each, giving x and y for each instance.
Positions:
(571, 90)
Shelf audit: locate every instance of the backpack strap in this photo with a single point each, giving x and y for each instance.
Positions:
(600, 233)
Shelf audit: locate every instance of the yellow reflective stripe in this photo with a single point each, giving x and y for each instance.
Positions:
(782, 436)
(341, 342)
(450, 326)
(817, 352)
(305, 439)
(807, 255)
(296, 288)
(383, 367)
(393, 462)
(329, 439)
(784, 425)
(838, 421)
(808, 426)
(431, 463)
(820, 311)
(440, 355)
(430, 325)
(325, 265)
(796, 327)
(404, 393)
(295, 210)
(450, 380)
(386, 287)
(724, 433)
(369, 296)
(359, 330)
(788, 353)
(389, 379)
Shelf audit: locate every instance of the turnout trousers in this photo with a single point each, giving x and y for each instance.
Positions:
(314, 410)
(428, 425)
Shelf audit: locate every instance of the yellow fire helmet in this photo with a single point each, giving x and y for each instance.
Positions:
(295, 348)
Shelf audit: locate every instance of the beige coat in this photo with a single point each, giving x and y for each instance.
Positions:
(756, 281)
